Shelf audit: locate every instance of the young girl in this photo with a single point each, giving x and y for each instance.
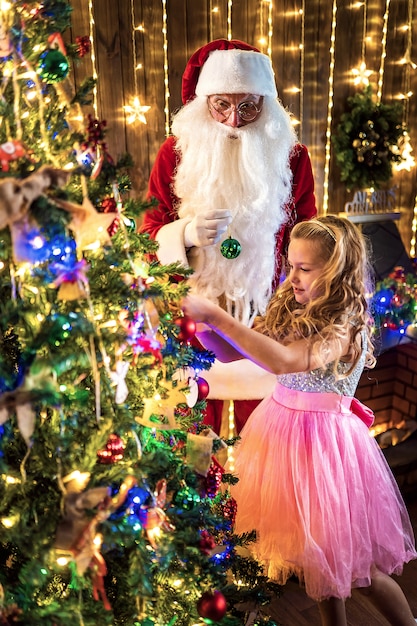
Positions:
(312, 481)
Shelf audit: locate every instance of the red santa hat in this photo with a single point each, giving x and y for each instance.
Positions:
(228, 66)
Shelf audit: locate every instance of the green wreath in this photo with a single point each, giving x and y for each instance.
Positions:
(366, 141)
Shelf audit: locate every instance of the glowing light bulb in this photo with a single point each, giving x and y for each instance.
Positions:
(361, 74)
(9, 522)
(136, 111)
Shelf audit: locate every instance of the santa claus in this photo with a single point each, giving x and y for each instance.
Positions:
(230, 183)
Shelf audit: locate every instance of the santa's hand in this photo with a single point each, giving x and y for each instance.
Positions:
(205, 230)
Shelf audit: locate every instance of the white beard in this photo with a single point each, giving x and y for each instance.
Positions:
(245, 170)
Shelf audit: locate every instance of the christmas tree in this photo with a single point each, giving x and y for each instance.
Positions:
(114, 508)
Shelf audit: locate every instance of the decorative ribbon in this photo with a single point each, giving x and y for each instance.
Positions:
(363, 412)
(71, 274)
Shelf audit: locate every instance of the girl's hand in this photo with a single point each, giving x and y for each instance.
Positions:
(198, 308)
(206, 314)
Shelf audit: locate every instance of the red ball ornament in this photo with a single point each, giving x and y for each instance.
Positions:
(113, 452)
(83, 45)
(109, 205)
(212, 605)
(207, 542)
(187, 328)
(203, 389)
(229, 510)
(112, 229)
(213, 480)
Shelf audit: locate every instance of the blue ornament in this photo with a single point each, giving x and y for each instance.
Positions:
(136, 496)
(382, 301)
(224, 555)
(63, 249)
(30, 246)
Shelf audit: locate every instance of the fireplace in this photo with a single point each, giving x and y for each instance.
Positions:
(390, 390)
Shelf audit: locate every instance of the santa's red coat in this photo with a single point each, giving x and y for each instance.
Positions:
(302, 206)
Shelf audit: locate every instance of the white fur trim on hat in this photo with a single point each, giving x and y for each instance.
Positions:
(236, 71)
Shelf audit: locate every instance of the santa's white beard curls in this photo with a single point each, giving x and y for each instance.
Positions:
(245, 170)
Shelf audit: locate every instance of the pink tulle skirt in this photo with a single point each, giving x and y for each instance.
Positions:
(316, 487)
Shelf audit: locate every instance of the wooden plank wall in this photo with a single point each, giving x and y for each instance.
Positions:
(188, 24)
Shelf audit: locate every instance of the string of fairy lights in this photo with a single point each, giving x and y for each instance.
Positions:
(329, 111)
(361, 74)
(408, 66)
(265, 41)
(135, 110)
(409, 162)
(302, 13)
(93, 53)
(166, 67)
(383, 52)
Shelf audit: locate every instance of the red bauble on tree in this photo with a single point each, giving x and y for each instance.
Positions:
(187, 328)
(229, 508)
(83, 45)
(109, 205)
(113, 452)
(212, 605)
(203, 389)
(207, 542)
(213, 480)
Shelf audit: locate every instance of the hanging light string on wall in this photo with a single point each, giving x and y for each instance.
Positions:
(270, 29)
(262, 38)
(383, 52)
(329, 110)
(302, 13)
(408, 160)
(265, 41)
(93, 53)
(361, 74)
(166, 76)
(212, 11)
(135, 110)
(229, 19)
(299, 89)
(413, 230)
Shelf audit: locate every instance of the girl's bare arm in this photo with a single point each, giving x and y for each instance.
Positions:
(266, 352)
(211, 340)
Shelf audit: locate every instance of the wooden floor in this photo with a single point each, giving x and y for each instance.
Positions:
(294, 608)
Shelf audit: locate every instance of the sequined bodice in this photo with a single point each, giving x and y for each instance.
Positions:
(322, 380)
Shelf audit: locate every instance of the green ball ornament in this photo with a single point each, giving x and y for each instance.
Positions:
(130, 225)
(53, 66)
(187, 498)
(230, 248)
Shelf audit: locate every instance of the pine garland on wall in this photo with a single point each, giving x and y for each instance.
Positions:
(366, 141)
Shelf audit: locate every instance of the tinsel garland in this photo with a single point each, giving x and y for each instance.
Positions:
(366, 141)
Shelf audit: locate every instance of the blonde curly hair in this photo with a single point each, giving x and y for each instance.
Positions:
(344, 287)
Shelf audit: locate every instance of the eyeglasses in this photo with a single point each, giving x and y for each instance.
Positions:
(247, 111)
